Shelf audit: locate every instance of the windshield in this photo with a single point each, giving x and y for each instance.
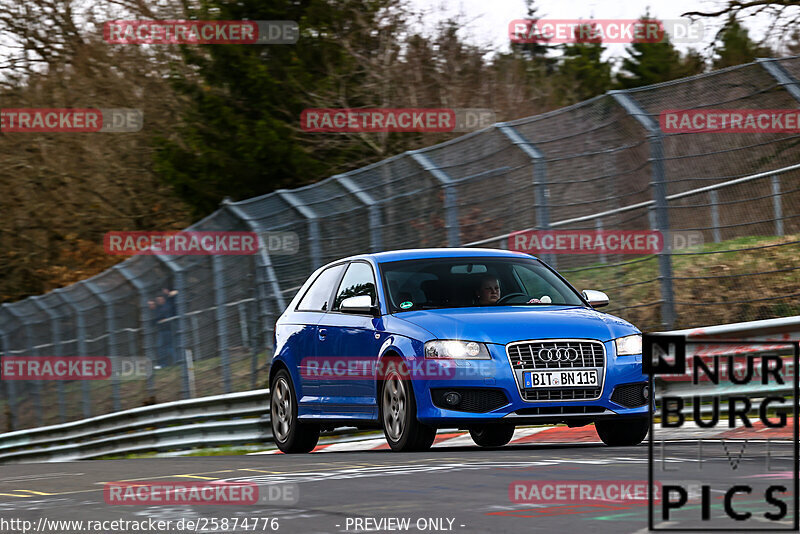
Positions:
(473, 282)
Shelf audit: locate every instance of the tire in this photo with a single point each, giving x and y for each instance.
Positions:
(398, 412)
(622, 432)
(290, 434)
(492, 435)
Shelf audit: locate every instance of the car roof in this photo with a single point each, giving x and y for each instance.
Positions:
(427, 253)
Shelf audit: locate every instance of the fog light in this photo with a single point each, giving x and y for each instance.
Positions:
(452, 398)
(646, 392)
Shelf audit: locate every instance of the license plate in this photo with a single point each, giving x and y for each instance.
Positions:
(559, 379)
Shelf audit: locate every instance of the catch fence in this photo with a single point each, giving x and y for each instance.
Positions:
(601, 164)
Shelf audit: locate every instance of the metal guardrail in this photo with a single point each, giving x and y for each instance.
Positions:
(764, 330)
(234, 418)
(239, 418)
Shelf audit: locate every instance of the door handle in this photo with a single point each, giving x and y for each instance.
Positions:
(321, 333)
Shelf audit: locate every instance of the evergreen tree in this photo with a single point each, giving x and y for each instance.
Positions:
(582, 73)
(648, 63)
(733, 46)
(535, 52)
(240, 137)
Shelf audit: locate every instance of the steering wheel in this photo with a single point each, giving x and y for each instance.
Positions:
(504, 298)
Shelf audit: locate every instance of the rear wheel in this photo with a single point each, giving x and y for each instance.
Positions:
(622, 432)
(492, 435)
(290, 434)
(398, 409)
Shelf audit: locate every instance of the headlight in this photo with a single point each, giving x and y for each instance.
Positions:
(629, 345)
(456, 350)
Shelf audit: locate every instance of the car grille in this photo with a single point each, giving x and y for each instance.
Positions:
(629, 395)
(526, 355)
(477, 400)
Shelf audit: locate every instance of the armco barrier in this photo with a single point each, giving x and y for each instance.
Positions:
(234, 418)
(239, 418)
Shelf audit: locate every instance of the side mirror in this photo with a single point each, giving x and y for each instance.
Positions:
(596, 299)
(361, 304)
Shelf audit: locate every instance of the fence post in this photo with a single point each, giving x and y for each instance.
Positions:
(781, 75)
(792, 86)
(145, 322)
(180, 316)
(713, 199)
(55, 334)
(10, 388)
(80, 334)
(222, 327)
(450, 196)
(541, 193)
(777, 207)
(659, 187)
(37, 384)
(373, 209)
(311, 219)
(265, 276)
(111, 344)
(598, 226)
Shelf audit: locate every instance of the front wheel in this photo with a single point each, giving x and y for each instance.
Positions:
(290, 434)
(402, 429)
(622, 432)
(492, 435)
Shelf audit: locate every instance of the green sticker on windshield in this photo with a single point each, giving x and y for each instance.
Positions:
(406, 305)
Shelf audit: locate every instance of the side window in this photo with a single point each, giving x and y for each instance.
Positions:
(357, 281)
(317, 296)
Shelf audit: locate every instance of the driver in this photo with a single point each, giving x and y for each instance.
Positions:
(488, 292)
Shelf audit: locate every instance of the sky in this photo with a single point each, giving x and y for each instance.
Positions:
(487, 20)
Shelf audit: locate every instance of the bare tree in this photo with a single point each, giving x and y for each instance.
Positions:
(61, 192)
(784, 15)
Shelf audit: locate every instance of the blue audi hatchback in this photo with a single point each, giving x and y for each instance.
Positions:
(477, 339)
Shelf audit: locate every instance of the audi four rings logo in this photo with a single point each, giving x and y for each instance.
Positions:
(558, 355)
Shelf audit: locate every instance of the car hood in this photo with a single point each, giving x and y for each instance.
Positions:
(504, 324)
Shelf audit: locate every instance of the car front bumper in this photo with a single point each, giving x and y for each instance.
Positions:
(478, 377)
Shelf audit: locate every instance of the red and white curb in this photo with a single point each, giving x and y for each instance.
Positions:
(558, 434)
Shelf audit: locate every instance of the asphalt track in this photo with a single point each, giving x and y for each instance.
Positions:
(448, 489)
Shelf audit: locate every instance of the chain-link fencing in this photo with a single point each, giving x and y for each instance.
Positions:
(207, 322)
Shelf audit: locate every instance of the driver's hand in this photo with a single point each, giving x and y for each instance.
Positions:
(534, 301)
